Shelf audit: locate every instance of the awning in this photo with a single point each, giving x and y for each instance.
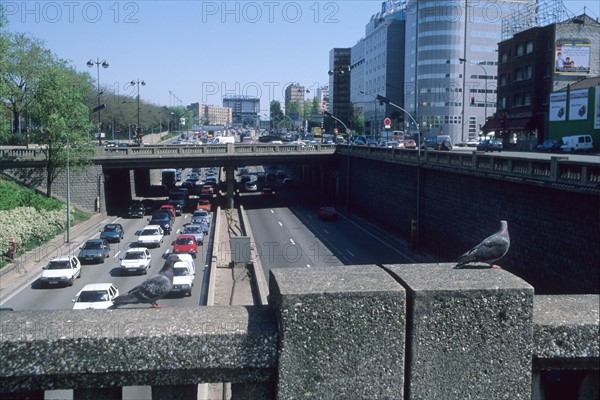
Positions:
(509, 124)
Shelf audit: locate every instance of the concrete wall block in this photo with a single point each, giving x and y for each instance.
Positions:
(342, 332)
(469, 332)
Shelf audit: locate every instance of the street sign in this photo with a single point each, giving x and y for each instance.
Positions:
(387, 122)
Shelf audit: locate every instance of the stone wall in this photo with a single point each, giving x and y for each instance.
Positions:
(554, 233)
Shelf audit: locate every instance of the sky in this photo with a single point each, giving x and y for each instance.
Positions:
(198, 51)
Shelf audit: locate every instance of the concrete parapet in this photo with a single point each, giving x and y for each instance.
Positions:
(469, 332)
(566, 333)
(341, 332)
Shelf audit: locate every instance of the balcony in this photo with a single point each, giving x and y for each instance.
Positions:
(398, 331)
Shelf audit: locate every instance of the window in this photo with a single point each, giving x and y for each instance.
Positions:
(529, 47)
(520, 50)
(502, 80)
(504, 58)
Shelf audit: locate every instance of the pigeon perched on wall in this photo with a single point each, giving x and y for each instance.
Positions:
(490, 250)
(152, 289)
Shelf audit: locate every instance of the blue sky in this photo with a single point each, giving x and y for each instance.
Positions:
(201, 50)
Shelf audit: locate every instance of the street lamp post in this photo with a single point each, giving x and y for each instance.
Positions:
(104, 64)
(383, 99)
(68, 194)
(328, 114)
(485, 74)
(138, 82)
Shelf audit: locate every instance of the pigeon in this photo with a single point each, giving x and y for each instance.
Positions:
(152, 289)
(491, 249)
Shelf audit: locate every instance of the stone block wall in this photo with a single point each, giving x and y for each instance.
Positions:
(554, 233)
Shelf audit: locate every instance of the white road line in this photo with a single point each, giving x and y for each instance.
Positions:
(308, 265)
(292, 241)
(279, 222)
(349, 252)
(272, 212)
(326, 231)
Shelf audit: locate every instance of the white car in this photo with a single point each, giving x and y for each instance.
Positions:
(95, 296)
(151, 236)
(61, 271)
(251, 186)
(136, 260)
(184, 274)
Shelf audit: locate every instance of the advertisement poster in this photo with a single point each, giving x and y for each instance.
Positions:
(573, 59)
(578, 104)
(558, 106)
(597, 109)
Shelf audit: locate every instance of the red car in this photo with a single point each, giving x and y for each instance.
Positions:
(327, 213)
(268, 192)
(185, 244)
(203, 204)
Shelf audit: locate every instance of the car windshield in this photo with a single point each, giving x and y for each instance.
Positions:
(149, 232)
(58, 265)
(93, 296)
(160, 216)
(181, 272)
(183, 241)
(192, 229)
(111, 228)
(134, 255)
(200, 213)
(92, 245)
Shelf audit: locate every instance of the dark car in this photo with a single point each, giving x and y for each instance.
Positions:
(112, 232)
(164, 219)
(328, 213)
(94, 251)
(268, 192)
(550, 146)
(136, 210)
(490, 145)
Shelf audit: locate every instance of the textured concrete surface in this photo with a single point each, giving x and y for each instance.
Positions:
(174, 346)
(342, 332)
(469, 332)
(566, 331)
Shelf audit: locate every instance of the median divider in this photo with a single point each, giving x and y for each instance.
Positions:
(258, 283)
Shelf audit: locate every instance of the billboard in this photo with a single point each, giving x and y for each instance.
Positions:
(572, 59)
(558, 106)
(578, 104)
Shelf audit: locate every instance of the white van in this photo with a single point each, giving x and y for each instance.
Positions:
(184, 274)
(222, 140)
(577, 143)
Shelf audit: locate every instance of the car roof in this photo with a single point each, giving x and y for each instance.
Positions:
(96, 286)
(186, 235)
(136, 249)
(152, 227)
(95, 241)
(61, 258)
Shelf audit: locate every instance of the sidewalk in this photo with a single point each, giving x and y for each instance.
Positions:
(28, 267)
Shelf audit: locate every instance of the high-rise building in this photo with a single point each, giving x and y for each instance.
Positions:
(339, 86)
(451, 63)
(245, 110)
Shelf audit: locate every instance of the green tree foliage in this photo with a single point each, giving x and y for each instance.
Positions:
(24, 62)
(4, 43)
(275, 113)
(62, 114)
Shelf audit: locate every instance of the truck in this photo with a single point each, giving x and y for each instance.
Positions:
(168, 177)
(222, 140)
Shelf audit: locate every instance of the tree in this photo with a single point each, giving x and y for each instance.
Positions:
(4, 43)
(24, 64)
(61, 112)
(275, 112)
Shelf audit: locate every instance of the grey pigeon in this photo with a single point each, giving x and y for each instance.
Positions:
(490, 250)
(152, 289)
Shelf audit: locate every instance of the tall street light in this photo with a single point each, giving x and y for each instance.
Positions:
(417, 223)
(328, 114)
(139, 130)
(104, 64)
(485, 75)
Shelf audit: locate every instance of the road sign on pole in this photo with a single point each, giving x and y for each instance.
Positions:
(387, 123)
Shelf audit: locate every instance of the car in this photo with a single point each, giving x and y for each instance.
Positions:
(473, 142)
(170, 208)
(202, 215)
(390, 144)
(112, 233)
(204, 204)
(490, 145)
(151, 236)
(577, 143)
(328, 213)
(245, 178)
(94, 251)
(410, 144)
(136, 210)
(550, 146)
(62, 270)
(250, 186)
(439, 142)
(185, 244)
(95, 296)
(136, 260)
(164, 219)
(359, 142)
(208, 189)
(198, 230)
(184, 274)
(268, 192)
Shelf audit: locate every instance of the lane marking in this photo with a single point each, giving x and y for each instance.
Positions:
(308, 265)
(349, 252)
(292, 241)
(279, 222)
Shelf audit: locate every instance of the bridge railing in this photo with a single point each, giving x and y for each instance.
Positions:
(401, 331)
(556, 169)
